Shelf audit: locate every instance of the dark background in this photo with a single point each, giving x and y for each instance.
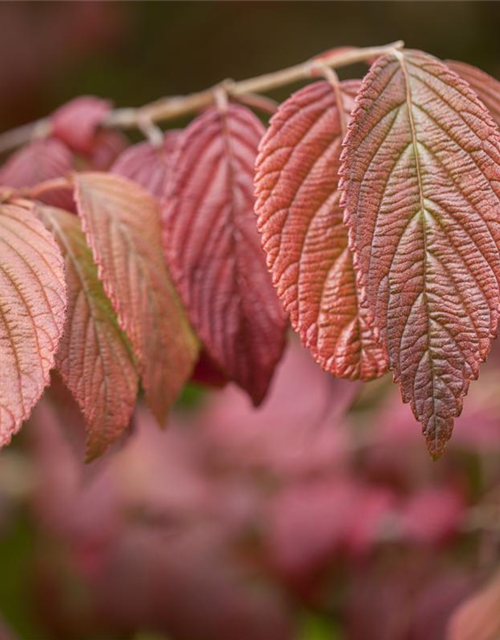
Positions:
(134, 52)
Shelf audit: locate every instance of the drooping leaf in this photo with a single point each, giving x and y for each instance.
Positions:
(76, 122)
(148, 165)
(421, 177)
(300, 219)
(94, 358)
(486, 87)
(37, 161)
(122, 225)
(213, 247)
(32, 313)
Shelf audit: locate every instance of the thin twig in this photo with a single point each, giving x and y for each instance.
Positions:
(173, 107)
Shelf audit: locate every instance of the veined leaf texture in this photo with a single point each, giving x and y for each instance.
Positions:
(421, 170)
(32, 313)
(213, 247)
(486, 87)
(301, 222)
(122, 226)
(94, 358)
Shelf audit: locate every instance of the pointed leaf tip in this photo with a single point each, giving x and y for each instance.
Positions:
(421, 181)
(122, 226)
(213, 248)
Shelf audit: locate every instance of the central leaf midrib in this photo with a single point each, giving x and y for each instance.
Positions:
(415, 142)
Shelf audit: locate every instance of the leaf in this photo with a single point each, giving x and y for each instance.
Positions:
(148, 165)
(76, 122)
(122, 225)
(36, 162)
(420, 176)
(94, 358)
(32, 313)
(478, 616)
(213, 248)
(485, 86)
(300, 219)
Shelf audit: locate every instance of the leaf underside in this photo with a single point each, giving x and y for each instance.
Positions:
(122, 226)
(420, 180)
(94, 358)
(301, 222)
(32, 313)
(214, 252)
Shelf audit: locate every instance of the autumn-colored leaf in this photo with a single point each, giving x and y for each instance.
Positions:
(122, 225)
(32, 313)
(94, 358)
(300, 219)
(76, 122)
(421, 179)
(213, 247)
(486, 87)
(148, 165)
(36, 162)
(478, 617)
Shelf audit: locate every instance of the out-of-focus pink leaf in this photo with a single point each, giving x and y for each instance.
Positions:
(478, 618)
(76, 122)
(36, 162)
(148, 165)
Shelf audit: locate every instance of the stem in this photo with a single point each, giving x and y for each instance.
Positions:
(244, 91)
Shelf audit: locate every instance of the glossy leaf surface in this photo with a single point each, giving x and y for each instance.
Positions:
(94, 358)
(122, 225)
(300, 218)
(213, 247)
(420, 175)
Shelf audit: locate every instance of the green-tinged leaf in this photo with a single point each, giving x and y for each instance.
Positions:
(94, 358)
(122, 226)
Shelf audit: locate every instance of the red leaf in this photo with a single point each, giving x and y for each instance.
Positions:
(36, 162)
(486, 87)
(206, 373)
(122, 225)
(76, 122)
(107, 146)
(94, 358)
(148, 165)
(421, 171)
(300, 219)
(213, 248)
(32, 313)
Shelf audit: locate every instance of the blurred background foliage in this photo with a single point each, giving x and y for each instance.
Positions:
(320, 517)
